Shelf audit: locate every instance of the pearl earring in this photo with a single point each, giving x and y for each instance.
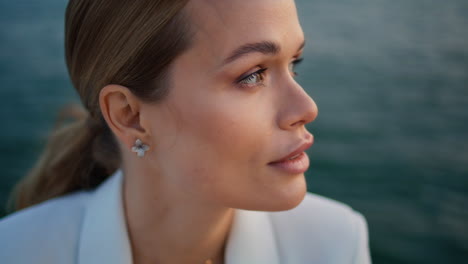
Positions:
(140, 148)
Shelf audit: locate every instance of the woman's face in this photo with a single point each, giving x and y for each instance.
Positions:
(230, 114)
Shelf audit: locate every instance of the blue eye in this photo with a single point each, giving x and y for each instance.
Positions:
(293, 64)
(253, 78)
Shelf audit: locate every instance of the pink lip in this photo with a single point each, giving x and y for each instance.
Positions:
(300, 164)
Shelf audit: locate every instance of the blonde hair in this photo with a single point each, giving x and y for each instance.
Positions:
(130, 43)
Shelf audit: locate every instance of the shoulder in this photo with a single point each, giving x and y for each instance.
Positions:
(51, 226)
(322, 230)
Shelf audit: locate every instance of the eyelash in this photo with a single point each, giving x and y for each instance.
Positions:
(294, 64)
(244, 81)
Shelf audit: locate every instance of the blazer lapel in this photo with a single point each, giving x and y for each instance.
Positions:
(251, 239)
(104, 236)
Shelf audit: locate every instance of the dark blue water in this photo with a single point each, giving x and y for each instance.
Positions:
(390, 78)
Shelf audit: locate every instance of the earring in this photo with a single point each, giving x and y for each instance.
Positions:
(140, 148)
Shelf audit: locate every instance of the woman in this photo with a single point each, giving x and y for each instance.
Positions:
(192, 147)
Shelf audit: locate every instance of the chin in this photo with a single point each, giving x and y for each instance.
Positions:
(287, 202)
(280, 199)
(289, 196)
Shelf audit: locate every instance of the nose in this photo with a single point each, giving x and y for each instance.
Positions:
(298, 108)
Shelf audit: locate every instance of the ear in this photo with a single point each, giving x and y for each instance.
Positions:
(121, 110)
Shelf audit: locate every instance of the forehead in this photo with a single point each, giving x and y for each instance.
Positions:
(221, 25)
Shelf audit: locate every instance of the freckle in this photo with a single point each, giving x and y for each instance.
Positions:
(200, 175)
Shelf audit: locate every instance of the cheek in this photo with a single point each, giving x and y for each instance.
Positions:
(223, 139)
(228, 136)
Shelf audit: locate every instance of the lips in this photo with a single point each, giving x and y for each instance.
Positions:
(296, 162)
(296, 153)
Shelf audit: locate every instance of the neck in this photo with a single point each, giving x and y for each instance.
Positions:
(166, 226)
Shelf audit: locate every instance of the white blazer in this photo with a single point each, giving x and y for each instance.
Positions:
(88, 227)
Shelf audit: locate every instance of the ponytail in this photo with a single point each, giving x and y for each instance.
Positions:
(130, 43)
(79, 155)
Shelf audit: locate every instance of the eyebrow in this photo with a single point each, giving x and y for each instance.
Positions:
(265, 47)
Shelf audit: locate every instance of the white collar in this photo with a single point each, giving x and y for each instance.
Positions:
(104, 237)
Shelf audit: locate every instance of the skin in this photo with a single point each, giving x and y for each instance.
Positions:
(212, 138)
